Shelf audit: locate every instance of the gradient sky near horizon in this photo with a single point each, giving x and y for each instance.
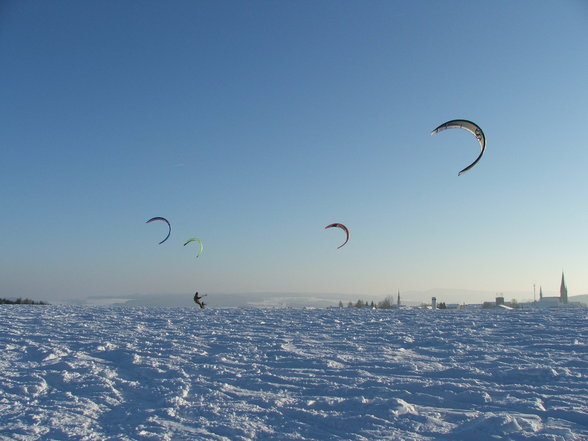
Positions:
(253, 125)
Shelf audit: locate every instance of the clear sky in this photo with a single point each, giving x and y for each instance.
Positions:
(253, 125)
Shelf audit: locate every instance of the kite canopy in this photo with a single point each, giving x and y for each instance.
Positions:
(471, 127)
(344, 228)
(163, 220)
(194, 239)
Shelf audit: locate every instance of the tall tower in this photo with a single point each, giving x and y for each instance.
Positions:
(540, 293)
(563, 290)
(398, 300)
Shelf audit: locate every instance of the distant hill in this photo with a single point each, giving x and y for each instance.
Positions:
(582, 299)
(269, 300)
(299, 300)
(223, 300)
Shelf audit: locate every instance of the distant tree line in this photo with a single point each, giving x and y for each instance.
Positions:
(387, 303)
(21, 301)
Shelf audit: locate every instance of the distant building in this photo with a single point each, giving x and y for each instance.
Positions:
(434, 303)
(563, 290)
(554, 301)
(499, 303)
(549, 302)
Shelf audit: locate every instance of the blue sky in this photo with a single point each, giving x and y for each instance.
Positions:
(252, 125)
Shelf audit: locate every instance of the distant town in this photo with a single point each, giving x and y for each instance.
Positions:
(560, 301)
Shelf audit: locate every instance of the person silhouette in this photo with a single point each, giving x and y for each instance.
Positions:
(198, 300)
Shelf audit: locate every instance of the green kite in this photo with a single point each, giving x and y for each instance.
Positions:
(194, 239)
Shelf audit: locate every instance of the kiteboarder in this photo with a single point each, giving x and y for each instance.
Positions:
(198, 300)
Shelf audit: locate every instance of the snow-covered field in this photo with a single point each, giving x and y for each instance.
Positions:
(116, 373)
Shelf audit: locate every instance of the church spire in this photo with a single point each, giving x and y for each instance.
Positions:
(563, 290)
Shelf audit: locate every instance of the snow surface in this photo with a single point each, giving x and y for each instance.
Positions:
(122, 373)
